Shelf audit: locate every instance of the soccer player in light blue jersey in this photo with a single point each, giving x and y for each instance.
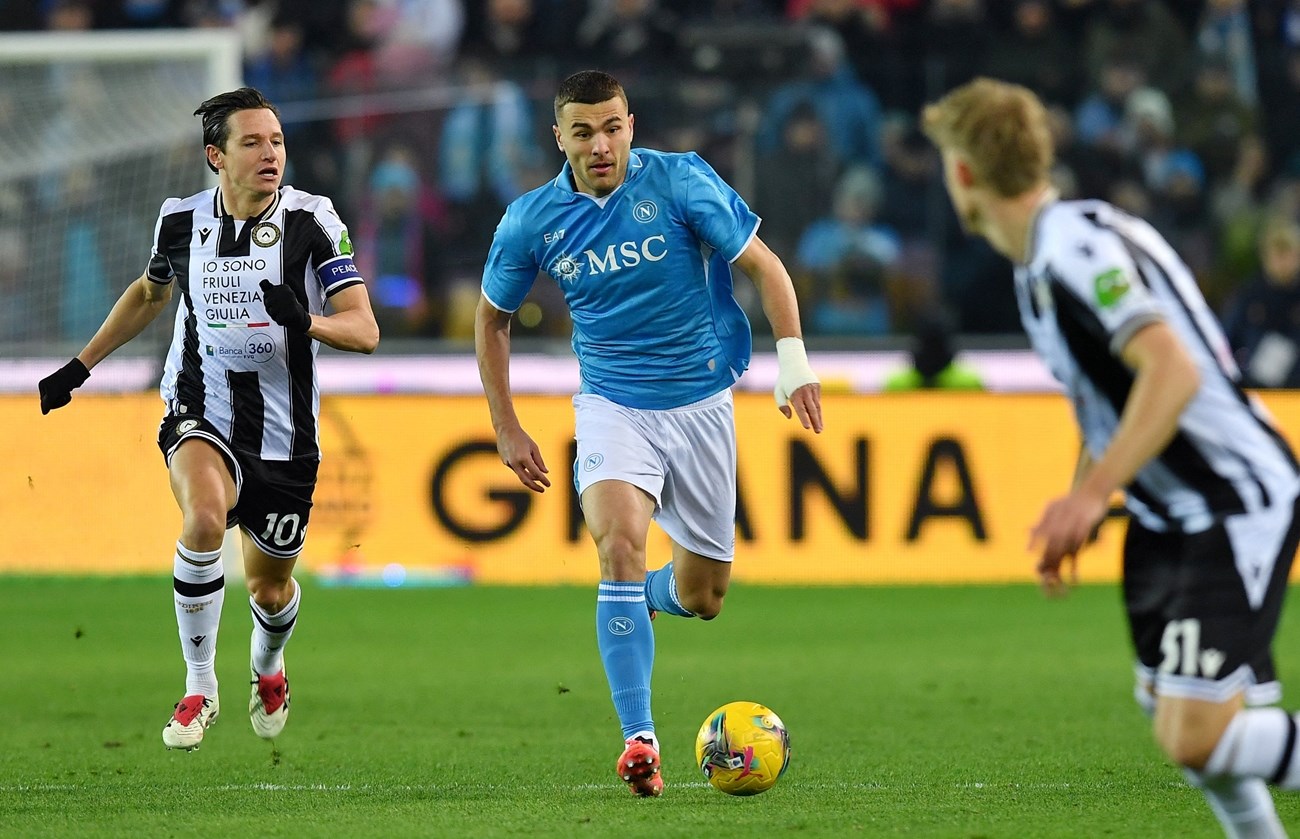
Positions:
(641, 243)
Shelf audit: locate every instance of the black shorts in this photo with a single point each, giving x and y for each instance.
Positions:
(1203, 607)
(273, 497)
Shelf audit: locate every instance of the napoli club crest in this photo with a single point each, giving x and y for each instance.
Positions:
(645, 211)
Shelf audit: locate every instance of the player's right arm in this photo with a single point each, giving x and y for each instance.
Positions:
(492, 348)
(139, 304)
(508, 274)
(142, 301)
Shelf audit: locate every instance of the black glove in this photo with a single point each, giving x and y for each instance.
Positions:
(284, 308)
(56, 388)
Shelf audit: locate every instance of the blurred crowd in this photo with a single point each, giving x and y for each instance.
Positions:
(424, 118)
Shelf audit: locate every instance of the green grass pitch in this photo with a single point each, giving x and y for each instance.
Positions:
(483, 712)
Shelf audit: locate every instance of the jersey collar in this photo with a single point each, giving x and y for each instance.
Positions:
(219, 207)
(564, 181)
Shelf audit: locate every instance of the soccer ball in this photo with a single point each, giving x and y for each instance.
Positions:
(742, 748)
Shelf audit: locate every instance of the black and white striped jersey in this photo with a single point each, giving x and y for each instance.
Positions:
(1094, 277)
(228, 361)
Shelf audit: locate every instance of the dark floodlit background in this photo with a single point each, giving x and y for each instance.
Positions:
(423, 118)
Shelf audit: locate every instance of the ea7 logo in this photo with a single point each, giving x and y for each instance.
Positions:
(553, 236)
(650, 249)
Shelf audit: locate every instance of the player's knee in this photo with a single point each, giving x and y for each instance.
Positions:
(621, 558)
(708, 611)
(705, 605)
(1187, 747)
(204, 528)
(270, 594)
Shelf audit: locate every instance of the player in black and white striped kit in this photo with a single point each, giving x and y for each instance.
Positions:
(1210, 484)
(254, 263)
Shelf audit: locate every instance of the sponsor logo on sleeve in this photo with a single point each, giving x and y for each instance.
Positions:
(1110, 286)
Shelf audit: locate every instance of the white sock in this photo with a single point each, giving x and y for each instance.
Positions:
(1259, 743)
(199, 586)
(271, 633)
(647, 734)
(1243, 806)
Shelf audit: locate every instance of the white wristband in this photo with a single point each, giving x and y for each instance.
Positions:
(793, 370)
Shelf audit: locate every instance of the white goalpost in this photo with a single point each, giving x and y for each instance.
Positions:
(96, 129)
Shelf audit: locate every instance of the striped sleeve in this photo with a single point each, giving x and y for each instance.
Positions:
(1092, 263)
(159, 269)
(331, 252)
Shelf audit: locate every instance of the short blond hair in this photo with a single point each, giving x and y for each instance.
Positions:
(1001, 129)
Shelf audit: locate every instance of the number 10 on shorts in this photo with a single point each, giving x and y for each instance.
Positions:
(282, 530)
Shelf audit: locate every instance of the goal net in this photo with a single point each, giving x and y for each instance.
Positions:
(96, 130)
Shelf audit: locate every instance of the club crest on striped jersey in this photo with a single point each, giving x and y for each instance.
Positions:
(265, 234)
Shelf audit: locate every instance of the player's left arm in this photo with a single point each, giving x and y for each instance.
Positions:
(351, 326)
(1165, 380)
(797, 384)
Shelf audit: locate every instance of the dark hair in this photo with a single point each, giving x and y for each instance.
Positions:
(217, 110)
(588, 87)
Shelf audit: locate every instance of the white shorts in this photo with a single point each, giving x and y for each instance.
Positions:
(684, 458)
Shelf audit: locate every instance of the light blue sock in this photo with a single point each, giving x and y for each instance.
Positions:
(661, 593)
(627, 648)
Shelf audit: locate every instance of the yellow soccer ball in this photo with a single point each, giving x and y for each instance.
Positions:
(743, 748)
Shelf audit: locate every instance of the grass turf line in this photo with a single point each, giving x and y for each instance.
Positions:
(483, 712)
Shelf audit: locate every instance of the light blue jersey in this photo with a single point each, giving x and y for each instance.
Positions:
(646, 272)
